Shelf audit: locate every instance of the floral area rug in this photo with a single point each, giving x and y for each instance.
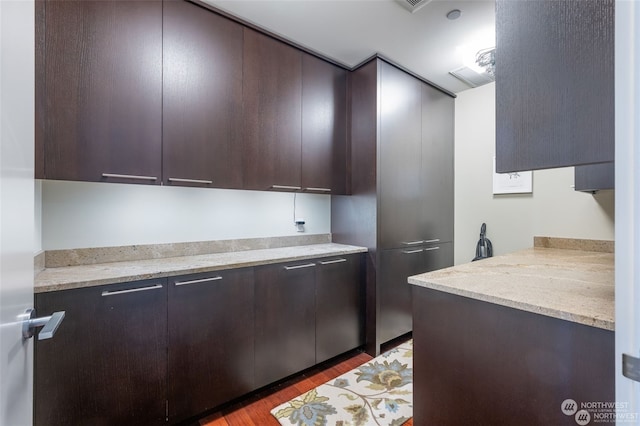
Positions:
(379, 392)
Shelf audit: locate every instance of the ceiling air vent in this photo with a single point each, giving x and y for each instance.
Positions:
(413, 5)
(471, 77)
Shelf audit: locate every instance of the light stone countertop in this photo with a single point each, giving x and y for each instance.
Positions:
(68, 277)
(572, 285)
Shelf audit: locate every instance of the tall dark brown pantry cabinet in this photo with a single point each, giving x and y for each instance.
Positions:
(401, 206)
(100, 91)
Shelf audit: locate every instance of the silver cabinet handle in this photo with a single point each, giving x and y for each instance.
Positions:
(318, 189)
(50, 323)
(294, 188)
(329, 262)
(431, 248)
(411, 251)
(412, 243)
(432, 241)
(206, 182)
(131, 290)
(306, 265)
(115, 175)
(204, 280)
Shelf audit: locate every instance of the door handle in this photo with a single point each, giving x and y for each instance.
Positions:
(203, 280)
(306, 265)
(412, 251)
(50, 323)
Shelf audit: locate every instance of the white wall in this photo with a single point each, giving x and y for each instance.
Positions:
(82, 214)
(554, 209)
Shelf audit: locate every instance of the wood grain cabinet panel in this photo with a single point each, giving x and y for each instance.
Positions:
(339, 306)
(324, 126)
(107, 363)
(437, 169)
(401, 206)
(400, 154)
(595, 177)
(211, 338)
(285, 320)
(272, 112)
(102, 90)
(395, 293)
(486, 354)
(202, 97)
(554, 83)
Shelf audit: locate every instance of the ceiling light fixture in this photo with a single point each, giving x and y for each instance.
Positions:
(454, 14)
(486, 59)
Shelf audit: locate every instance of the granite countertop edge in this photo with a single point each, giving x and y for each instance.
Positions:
(72, 277)
(599, 312)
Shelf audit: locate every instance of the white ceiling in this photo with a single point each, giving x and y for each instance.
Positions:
(349, 31)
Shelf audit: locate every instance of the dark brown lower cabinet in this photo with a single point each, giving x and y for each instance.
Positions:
(394, 294)
(339, 306)
(478, 363)
(157, 351)
(210, 340)
(285, 320)
(107, 363)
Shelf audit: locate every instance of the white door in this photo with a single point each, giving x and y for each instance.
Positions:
(16, 208)
(627, 57)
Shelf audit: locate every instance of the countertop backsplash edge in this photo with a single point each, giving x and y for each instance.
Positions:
(100, 255)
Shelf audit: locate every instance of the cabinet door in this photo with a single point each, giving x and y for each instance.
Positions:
(108, 361)
(400, 157)
(437, 256)
(394, 291)
(210, 340)
(436, 214)
(285, 320)
(272, 108)
(103, 91)
(339, 306)
(554, 83)
(324, 127)
(202, 97)
(595, 177)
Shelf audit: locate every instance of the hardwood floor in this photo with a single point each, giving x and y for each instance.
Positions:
(254, 410)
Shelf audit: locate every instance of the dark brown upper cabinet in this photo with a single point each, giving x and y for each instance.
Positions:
(595, 177)
(202, 98)
(272, 107)
(324, 126)
(554, 83)
(102, 91)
